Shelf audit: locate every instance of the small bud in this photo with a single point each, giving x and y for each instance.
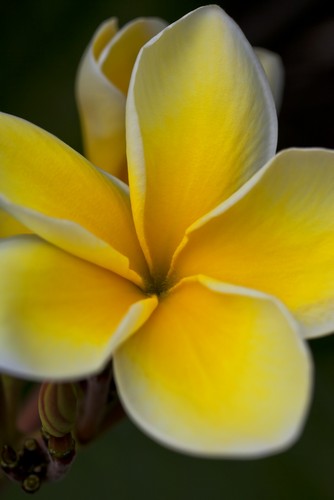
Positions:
(8, 457)
(31, 483)
(30, 445)
(62, 448)
(58, 408)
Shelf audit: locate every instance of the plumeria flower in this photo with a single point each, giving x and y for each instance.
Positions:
(101, 89)
(103, 81)
(201, 278)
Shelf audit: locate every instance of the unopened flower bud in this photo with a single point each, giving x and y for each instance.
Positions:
(31, 483)
(58, 408)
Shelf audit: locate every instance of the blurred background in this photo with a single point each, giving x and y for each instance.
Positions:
(41, 43)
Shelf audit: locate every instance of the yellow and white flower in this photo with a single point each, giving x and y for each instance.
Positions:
(103, 81)
(202, 276)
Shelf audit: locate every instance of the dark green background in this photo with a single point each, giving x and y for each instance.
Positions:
(41, 43)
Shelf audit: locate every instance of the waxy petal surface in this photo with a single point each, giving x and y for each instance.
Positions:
(60, 316)
(59, 195)
(119, 56)
(9, 226)
(101, 89)
(276, 235)
(217, 370)
(200, 122)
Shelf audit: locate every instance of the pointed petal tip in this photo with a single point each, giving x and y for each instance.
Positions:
(230, 115)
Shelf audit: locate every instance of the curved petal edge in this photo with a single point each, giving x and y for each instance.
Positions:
(217, 371)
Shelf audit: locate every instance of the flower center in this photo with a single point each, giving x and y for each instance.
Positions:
(158, 285)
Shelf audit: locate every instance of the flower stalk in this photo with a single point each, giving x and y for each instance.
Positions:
(61, 453)
(94, 403)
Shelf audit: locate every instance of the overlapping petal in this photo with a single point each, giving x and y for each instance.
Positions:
(101, 89)
(216, 370)
(9, 226)
(276, 235)
(200, 121)
(59, 195)
(119, 56)
(60, 316)
(274, 70)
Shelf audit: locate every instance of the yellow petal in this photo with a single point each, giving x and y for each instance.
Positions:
(216, 370)
(200, 121)
(61, 317)
(276, 235)
(59, 195)
(274, 70)
(101, 89)
(119, 56)
(10, 226)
